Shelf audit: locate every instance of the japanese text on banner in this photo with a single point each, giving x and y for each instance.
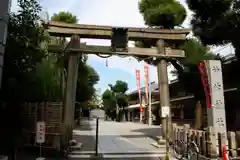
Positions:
(146, 81)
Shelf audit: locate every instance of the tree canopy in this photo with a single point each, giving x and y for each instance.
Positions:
(165, 14)
(187, 68)
(66, 17)
(216, 22)
(87, 76)
(114, 96)
(162, 13)
(32, 74)
(168, 14)
(24, 49)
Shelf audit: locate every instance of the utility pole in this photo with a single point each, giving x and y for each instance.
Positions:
(5, 6)
(150, 105)
(70, 94)
(163, 89)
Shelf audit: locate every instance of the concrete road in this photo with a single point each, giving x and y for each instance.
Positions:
(120, 140)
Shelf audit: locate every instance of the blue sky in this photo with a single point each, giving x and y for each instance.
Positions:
(116, 13)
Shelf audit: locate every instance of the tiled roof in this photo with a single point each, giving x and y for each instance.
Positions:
(154, 87)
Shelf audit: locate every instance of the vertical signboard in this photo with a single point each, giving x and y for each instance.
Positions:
(40, 134)
(216, 113)
(139, 88)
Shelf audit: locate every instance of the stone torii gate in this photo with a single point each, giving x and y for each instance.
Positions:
(119, 37)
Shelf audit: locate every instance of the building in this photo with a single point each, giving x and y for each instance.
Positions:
(183, 104)
(134, 103)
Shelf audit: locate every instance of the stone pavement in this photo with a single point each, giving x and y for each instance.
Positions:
(118, 141)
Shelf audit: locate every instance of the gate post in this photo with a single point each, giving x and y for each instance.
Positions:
(70, 91)
(163, 89)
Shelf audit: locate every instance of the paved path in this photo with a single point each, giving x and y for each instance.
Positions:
(118, 141)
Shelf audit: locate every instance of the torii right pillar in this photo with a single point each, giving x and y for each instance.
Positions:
(164, 112)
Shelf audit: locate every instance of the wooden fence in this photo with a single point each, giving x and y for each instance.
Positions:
(209, 143)
(51, 113)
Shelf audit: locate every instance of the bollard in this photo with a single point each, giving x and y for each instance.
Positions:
(167, 137)
(96, 144)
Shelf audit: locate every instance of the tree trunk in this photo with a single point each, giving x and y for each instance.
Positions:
(198, 115)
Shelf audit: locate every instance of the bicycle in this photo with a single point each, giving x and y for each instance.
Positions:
(231, 156)
(185, 151)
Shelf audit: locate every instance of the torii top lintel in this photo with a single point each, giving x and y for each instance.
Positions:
(104, 32)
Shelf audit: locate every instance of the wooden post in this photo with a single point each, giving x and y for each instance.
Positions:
(163, 88)
(199, 143)
(199, 115)
(70, 92)
(204, 143)
(232, 143)
(212, 143)
(186, 128)
(174, 132)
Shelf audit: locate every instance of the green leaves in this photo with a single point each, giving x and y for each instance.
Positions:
(20, 83)
(216, 22)
(87, 76)
(116, 95)
(162, 13)
(196, 52)
(23, 51)
(120, 87)
(51, 79)
(66, 17)
(188, 68)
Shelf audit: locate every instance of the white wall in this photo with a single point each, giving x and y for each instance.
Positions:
(97, 113)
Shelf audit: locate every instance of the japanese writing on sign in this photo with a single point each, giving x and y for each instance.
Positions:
(217, 86)
(216, 68)
(220, 122)
(40, 134)
(146, 81)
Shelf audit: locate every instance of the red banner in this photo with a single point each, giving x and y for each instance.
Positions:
(139, 88)
(146, 80)
(204, 79)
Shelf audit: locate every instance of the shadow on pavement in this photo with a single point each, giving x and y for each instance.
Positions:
(33, 153)
(150, 132)
(110, 152)
(87, 140)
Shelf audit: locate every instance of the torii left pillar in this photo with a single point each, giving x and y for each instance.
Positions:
(70, 91)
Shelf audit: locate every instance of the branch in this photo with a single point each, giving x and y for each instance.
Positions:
(177, 66)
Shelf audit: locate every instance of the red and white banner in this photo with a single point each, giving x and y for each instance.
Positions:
(146, 81)
(204, 78)
(139, 88)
